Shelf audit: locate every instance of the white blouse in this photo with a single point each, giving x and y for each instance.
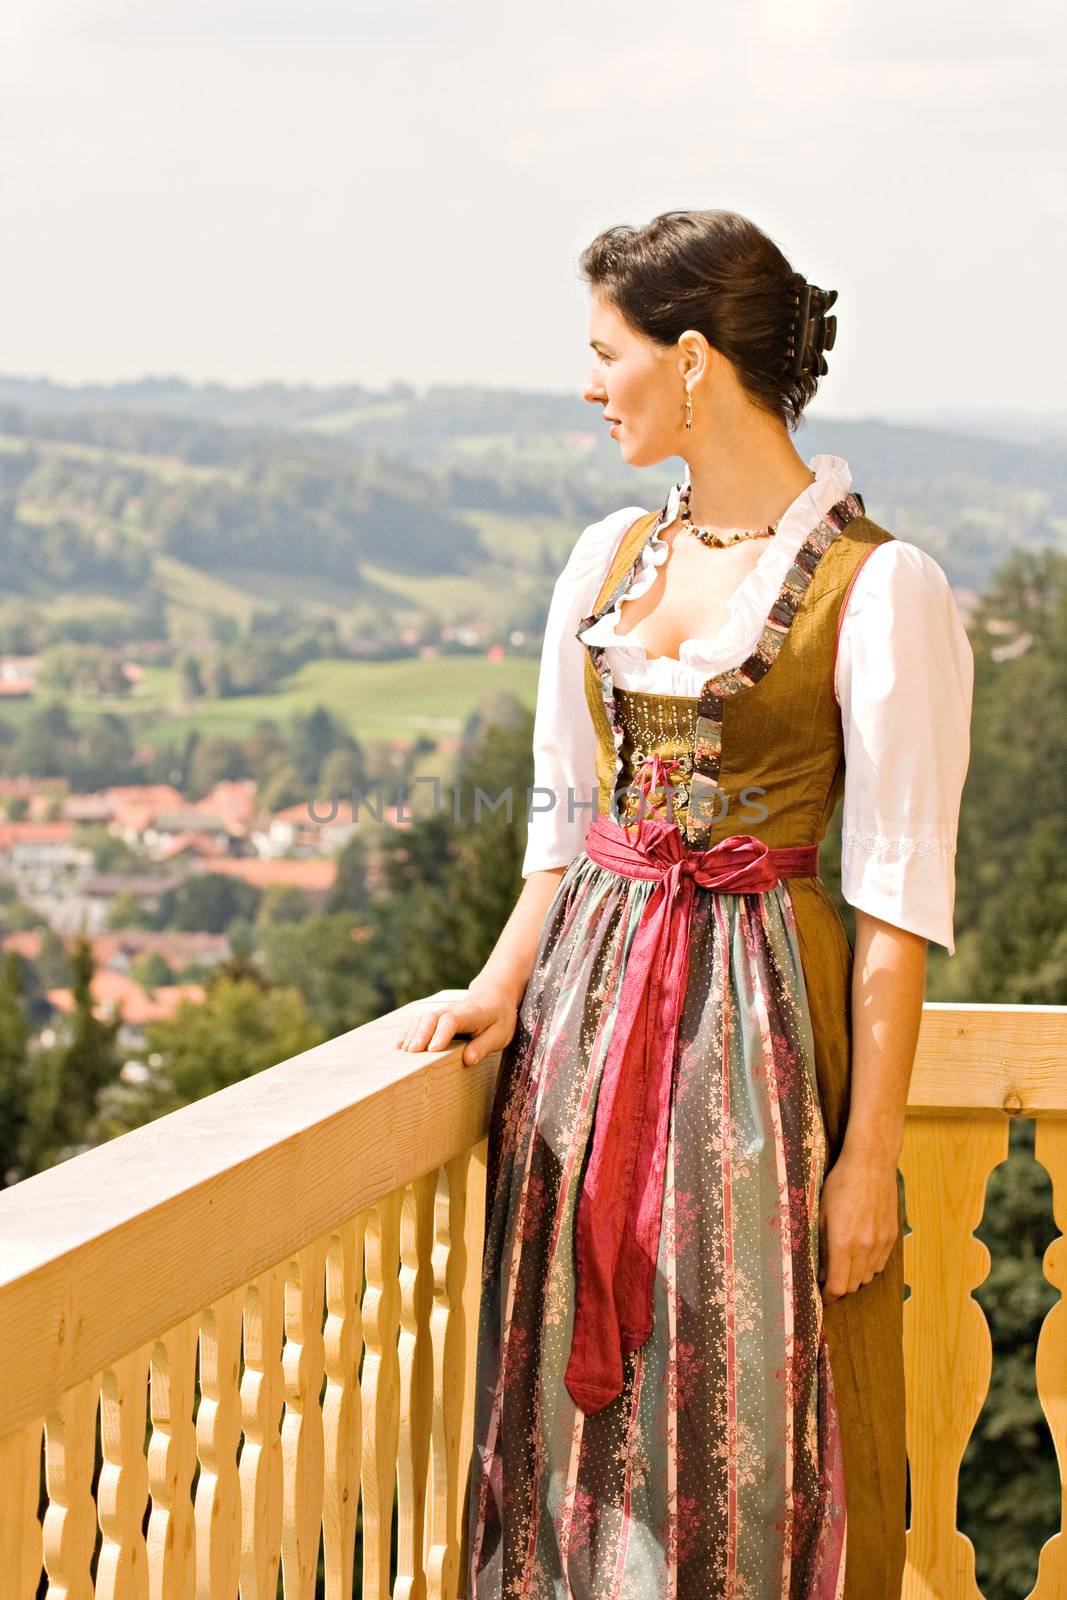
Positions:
(904, 681)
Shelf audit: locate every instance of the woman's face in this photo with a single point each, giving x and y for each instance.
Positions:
(638, 384)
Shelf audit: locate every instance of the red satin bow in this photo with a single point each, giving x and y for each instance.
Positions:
(655, 774)
(619, 1210)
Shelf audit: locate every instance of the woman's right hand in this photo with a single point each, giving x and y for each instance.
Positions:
(488, 1011)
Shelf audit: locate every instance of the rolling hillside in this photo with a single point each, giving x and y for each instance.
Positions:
(337, 497)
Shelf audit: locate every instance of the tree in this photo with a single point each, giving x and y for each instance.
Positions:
(240, 966)
(284, 787)
(18, 917)
(152, 970)
(189, 679)
(350, 890)
(126, 911)
(341, 773)
(452, 886)
(213, 760)
(328, 958)
(217, 680)
(207, 903)
(239, 1029)
(105, 754)
(313, 738)
(110, 852)
(282, 903)
(70, 1076)
(46, 745)
(52, 962)
(14, 1068)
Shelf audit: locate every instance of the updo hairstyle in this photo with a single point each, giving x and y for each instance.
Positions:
(716, 272)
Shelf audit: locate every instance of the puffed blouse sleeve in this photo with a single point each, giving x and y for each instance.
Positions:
(564, 740)
(904, 679)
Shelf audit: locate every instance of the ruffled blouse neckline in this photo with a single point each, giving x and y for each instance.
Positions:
(751, 601)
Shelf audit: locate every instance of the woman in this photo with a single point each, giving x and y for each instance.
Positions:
(690, 1368)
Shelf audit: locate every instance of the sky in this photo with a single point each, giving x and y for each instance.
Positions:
(246, 190)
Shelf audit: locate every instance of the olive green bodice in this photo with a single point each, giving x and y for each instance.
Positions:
(760, 750)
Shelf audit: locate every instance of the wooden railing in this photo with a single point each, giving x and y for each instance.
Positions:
(237, 1341)
(976, 1067)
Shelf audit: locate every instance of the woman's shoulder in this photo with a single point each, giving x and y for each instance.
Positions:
(898, 566)
(902, 596)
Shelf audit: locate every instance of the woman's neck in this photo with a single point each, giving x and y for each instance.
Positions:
(747, 481)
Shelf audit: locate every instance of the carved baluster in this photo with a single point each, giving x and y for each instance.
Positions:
(21, 1551)
(70, 1524)
(303, 1365)
(415, 1355)
(122, 1490)
(171, 1464)
(948, 1352)
(341, 1407)
(1050, 1148)
(473, 1165)
(262, 1394)
(381, 1392)
(457, 1256)
(218, 1432)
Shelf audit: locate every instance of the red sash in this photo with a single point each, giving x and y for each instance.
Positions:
(617, 1224)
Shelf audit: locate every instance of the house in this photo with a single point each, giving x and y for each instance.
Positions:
(115, 994)
(134, 805)
(87, 909)
(118, 949)
(296, 829)
(18, 676)
(314, 878)
(43, 862)
(168, 825)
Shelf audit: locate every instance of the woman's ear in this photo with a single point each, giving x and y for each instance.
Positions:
(694, 355)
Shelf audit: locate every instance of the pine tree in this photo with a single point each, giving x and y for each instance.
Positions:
(68, 1077)
(92, 1053)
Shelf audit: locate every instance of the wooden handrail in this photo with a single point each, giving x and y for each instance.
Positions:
(991, 1058)
(206, 1197)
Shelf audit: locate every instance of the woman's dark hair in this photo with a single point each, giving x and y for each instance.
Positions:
(715, 271)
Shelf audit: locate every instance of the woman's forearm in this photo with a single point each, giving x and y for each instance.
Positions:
(888, 985)
(511, 962)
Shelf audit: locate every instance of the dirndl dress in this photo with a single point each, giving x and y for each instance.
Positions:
(655, 1413)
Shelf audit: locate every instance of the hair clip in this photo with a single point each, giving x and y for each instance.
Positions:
(817, 330)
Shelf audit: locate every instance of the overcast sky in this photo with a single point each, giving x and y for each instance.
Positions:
(336, 192)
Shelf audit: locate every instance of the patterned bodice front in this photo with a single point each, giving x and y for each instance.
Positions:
(663, 725)
(761, 750)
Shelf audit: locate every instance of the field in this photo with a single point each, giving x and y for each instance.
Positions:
(376, 699)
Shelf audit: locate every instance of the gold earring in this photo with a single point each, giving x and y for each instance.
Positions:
(688, 410)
